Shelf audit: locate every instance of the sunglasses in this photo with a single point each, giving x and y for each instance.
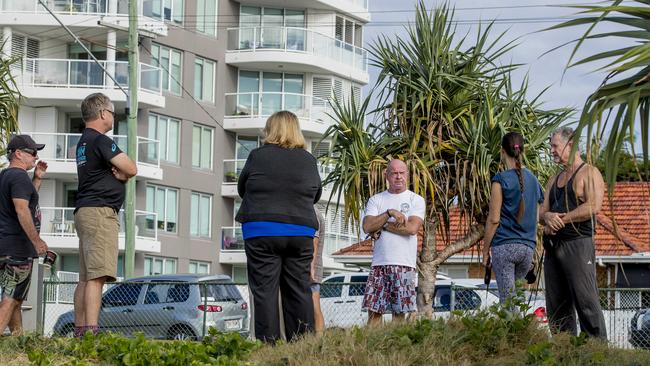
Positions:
(31, 152)
(110, 111)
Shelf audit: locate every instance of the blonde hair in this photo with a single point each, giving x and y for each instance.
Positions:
(282, 128)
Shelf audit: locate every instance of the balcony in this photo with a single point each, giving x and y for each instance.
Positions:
(82, 13)
(232, 245)
(60, 153)
(59, 232)
(42, 80)
(300, 49)
(246, 113)
(231, 170)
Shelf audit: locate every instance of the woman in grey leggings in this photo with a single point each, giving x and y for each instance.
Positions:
(511, 228)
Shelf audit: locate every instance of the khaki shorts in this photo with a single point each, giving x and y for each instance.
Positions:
(97, 229)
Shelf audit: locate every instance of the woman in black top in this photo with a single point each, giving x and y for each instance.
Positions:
(279, 186)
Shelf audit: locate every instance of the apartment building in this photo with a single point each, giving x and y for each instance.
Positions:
(210, 71)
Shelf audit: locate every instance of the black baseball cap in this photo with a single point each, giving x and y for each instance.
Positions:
(20, 142)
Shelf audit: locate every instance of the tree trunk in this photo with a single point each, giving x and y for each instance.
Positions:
(429, 260)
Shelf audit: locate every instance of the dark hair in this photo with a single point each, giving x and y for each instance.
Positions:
(513, 144)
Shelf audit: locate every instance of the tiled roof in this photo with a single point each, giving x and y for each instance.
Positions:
(630, 211)
(630, 205)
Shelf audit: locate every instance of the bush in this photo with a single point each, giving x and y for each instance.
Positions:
(215, 349)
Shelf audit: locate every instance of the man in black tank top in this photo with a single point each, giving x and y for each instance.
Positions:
(571, 202)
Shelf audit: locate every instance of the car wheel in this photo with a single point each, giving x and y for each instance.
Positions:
(67, 331)
(181, 333)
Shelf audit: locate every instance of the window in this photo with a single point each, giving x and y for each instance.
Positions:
(239, 274)
(202, 147)
(167, 131)
(167, 293)
(332, 287)
(348, 31)
(171, 10)
(276, 91)
(359, 285)
(199, 267)
(26, 47)
(170, 61)
(206, 17)
(221, 292)
(244, 146)
(164, 202)
(204, 79)
(125, 294)
(159, 265)
(200, 214)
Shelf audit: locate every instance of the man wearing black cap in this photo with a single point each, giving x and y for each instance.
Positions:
(20, 223)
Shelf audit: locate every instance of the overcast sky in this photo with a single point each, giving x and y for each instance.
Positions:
(523, 20)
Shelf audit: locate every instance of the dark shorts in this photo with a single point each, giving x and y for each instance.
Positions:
(391, 289)
(15, 277)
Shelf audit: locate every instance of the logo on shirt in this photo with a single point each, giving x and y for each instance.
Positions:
(113, 147)
(81, 155)
(404, 208)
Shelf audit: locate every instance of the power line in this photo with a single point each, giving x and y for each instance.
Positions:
(171, 76)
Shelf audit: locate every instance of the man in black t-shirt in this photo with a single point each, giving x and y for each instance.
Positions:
(20, 223)
(102, 169)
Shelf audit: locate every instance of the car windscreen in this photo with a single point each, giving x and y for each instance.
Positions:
(221, 292)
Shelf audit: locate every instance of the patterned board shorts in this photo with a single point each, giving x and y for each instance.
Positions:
(15, 277)
(391, 289)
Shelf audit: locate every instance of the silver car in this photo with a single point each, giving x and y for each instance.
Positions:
(169, 307)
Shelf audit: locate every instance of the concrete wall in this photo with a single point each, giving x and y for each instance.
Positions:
(181, 245)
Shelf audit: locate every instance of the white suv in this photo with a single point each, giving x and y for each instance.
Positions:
(342, 296)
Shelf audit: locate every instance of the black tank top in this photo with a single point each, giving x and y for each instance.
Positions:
(563, 200)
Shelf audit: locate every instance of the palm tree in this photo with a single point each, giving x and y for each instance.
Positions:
(444, 105)
(9, 101)
(623, 98)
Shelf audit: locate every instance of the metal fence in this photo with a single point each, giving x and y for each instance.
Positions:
(180, 310)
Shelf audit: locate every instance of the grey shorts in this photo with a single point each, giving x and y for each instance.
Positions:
(315, 288)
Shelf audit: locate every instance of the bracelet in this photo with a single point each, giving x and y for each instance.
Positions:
(388, 213)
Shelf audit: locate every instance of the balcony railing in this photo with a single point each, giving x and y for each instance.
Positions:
(232, 238)
(72, 7)
(290, 39)
(62, 147)
(59, 221)
(231, 170)
(62, 73)
(265, 104)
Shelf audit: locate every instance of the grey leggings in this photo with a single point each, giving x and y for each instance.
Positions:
(510, 262)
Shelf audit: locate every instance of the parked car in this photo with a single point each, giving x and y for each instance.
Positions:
(169, 307)
(640, 329)
(341, 304)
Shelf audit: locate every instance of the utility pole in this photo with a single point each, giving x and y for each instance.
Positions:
(132, 136)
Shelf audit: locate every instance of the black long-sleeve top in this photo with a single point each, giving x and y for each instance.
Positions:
(279, 185)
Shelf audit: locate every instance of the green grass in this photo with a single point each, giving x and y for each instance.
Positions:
(492, 337)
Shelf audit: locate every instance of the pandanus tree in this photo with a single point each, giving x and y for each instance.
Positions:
(616, 116)
(9, 101)
(444, 102)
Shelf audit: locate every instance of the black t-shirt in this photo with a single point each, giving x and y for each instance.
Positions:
(15, 183)
(97, 185)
